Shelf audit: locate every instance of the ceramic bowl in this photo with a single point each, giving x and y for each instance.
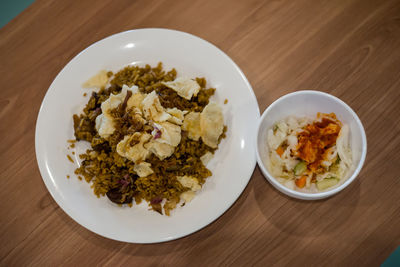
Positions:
(309, 103)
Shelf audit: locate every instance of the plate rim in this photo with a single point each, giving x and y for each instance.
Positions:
(45, 173)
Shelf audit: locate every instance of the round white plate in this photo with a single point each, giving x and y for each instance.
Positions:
(232, 165)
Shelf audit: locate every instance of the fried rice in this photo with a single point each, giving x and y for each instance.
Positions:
(113, 175)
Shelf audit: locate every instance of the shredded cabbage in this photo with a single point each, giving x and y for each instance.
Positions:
(284, 137)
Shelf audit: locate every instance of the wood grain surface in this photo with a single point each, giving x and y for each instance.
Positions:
(348, 48)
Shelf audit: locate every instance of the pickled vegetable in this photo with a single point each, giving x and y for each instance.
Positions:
(327, 182)
(300, 168)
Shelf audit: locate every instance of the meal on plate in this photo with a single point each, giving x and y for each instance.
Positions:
(151, 135)
(309, 155)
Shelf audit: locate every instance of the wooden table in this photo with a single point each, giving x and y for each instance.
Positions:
(349, 48)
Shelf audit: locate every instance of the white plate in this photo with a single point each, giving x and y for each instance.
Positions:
(232, 165)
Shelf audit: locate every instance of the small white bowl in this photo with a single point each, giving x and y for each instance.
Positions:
(309, 103)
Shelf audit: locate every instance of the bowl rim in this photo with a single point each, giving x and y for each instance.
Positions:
(303, 195)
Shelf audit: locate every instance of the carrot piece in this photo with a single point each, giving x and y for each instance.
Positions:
(280, 151)
(301, 182)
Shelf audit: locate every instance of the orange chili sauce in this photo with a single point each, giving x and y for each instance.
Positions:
(316, 138)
